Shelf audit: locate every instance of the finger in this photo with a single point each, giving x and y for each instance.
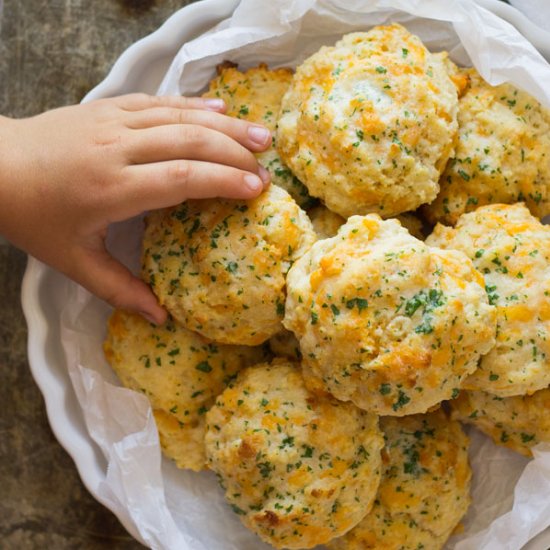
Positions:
(136, 102)
(110, 281)
(158, 185)
(190, 142)
(252, 136)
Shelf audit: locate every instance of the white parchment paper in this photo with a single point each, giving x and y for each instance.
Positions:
(538, 11)
(173, 509)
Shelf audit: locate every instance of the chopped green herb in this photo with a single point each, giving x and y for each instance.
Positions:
(238, 510)
(265, 468)
(491, 294)
(204, 366)
(402, 400)
(464, 175)
(360, 303)
(232, 267)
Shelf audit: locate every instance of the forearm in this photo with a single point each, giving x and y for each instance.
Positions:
(10, 209)
(21, 196)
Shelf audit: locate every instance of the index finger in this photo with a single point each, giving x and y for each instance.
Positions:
(139, 102)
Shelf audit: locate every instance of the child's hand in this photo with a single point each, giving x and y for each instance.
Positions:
(65, 175)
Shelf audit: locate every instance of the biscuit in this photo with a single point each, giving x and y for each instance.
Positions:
(180, 372)
(518, 422)
(511, 248)
(368, 124)
(298, 468)
(502, 153)
(219, 265)
(425, 487)
(386, 321)
(255, 95)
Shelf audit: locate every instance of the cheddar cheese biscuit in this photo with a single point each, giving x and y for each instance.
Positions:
(298, 468)
(425, 487)
(255, 95)
(502, 153)
(511, 248)
(180, 372)
(219, 265)
(518, 422)
(386, 321)
(368, 124)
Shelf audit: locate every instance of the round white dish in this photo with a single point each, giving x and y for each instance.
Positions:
(140, 68)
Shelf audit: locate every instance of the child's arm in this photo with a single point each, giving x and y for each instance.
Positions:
(66, 174)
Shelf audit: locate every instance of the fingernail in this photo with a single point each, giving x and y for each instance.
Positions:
(254, 183)
(259, 135)
(264, 174)
(214, 104)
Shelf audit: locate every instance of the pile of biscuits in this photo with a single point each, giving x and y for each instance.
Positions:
(320, 352)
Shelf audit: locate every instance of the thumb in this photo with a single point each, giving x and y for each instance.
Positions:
(108, 279)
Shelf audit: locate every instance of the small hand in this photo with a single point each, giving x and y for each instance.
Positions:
(67, 174)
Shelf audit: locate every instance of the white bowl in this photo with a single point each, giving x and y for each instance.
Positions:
(140, 68)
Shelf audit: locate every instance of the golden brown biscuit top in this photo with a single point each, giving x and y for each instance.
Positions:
(254, 95)
(502, 153)
(511, 248)
(368, 124)
(219, 265)
(298, 468)
(385, 320)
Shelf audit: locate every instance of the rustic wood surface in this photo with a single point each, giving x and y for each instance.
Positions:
(51, 53)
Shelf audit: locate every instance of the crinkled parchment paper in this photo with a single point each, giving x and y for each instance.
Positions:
(537, 11)
(181, 510)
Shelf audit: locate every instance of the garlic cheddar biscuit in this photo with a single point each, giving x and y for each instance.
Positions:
(502, 153)
(180, 372)
(255, 95)
(368, 124)
(518, 422)
(386, 321)
(219, 265)
(297, 467)
(425, 487)
(511, 248)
